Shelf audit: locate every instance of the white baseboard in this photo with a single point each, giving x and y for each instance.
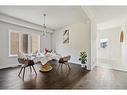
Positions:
(7, 66)
(113, 68)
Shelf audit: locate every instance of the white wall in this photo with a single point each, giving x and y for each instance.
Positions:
(93, 36)
(111, 56)
(79, 41)
(124, 47)
(6, 61)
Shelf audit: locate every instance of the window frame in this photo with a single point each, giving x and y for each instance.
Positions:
(10, 31)
(20, 41)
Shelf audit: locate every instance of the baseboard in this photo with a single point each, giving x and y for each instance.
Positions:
(9, 67)
(93, 66)
(113, 68)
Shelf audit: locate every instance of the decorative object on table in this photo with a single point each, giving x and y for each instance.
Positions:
(66, 36)
(121, 37)
(83, 59)
(25, 62)
(64, 61)
(103, 43)
(46, 50)
(46, 68)
(51, 51)
(38, 53)
(44, 31)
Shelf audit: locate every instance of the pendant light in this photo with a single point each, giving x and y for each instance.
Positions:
(44, 31)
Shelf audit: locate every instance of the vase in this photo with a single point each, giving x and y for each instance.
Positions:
(83, 65)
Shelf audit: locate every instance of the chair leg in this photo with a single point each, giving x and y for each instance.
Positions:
(20, 71)
(58, 66)
(23, 73)
(34, 70)
(69, 66)
(61, 66)
(30, 69)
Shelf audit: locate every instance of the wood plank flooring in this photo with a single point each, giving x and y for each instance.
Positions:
(77, 78)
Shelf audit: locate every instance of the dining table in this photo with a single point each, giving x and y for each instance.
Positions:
(44, 59)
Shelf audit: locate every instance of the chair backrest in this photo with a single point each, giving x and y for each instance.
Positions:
(64, 59)
(21, 55)
(26, 62)
(21, 60)
(67, 58)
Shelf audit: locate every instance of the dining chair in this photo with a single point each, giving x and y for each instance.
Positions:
(25, 62)
(64, 61)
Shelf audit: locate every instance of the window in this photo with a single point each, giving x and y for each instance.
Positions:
(27, 43)
(14, 43)
(25, 38)
(35, 43)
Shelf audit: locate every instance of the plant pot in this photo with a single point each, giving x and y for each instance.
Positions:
(83, 65)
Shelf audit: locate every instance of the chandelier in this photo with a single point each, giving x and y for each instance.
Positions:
(44, 31)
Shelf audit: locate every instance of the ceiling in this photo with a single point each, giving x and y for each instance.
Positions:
(57, 16)
(109, 16)
(60, 16)
(109, 13)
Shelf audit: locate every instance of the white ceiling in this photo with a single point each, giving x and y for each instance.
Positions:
(109, 13)
(57, 16)
(60, 16)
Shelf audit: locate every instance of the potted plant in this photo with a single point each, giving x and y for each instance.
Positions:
(83, 58)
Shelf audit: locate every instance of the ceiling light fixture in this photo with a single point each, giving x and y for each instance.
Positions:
(44, 31)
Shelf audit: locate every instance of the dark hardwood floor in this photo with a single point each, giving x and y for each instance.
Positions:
(77, 78)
